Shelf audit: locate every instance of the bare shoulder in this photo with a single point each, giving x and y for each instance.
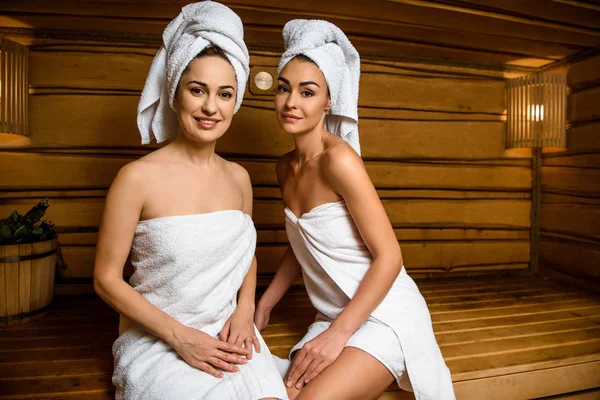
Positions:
(341, 160)
(239, 173)
(134, 173)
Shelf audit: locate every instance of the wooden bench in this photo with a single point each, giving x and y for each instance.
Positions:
(502, 337)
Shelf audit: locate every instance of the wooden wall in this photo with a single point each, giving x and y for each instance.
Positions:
(432, 139)
(570, 210)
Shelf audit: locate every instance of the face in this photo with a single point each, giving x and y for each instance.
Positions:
(302, 98)
(205, 99)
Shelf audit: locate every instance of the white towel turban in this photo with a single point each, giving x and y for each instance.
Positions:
(326, 45)
(199, 25)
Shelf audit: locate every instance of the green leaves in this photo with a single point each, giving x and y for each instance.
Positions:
(18, 229)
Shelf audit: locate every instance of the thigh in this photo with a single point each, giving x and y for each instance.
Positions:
(354, 375)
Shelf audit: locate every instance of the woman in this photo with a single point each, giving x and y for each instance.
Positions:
(373, 326)
(185, 214)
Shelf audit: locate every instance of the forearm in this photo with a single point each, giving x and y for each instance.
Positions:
(133, 306)
(374, 287)
(246, 294)
(288, 270)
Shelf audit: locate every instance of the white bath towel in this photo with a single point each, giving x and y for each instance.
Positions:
(326, 238)
(330, 49)
(198, 26)
(190, 267)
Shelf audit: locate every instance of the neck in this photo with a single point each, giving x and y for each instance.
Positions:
(198, 153)
(309, 144)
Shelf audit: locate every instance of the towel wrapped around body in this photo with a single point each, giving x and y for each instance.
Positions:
(399, 331)
(190, 267)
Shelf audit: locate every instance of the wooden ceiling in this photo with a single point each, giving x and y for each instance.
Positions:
(510, 35)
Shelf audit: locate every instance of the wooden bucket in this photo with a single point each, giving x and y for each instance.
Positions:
(26, 281)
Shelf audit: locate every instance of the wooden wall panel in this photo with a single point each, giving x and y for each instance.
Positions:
(570, 212)
(584, 105)
(78, 213)
(432, 139)
(432, 260)
(97, 170)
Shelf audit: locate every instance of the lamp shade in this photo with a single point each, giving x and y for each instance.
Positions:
(536, 111)
(14, 87)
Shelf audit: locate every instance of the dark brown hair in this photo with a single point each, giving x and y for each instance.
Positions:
(211, 50)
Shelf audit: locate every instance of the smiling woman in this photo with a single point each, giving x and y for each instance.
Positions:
(205, 98)
(185, 215)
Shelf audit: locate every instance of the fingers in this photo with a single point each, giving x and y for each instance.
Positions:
(217, 362)
(309, 369)
(232, 348)
(301, 363)
(224, 335)
(208, 369)
(230, 358)
(239, 341)
(256, 343)
(248, 346)
(312, 373)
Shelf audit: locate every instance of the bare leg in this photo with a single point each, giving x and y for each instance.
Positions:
(293, 393)
(354, 375)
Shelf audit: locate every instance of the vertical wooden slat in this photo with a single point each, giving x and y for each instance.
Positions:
(25, 281)
(563, 109)
(12, 282)
(26, 96)
(527, 102)
(539, 123)
(10, 94)
(549, 91)
(36, 276)
(519, 112)
(19, 97)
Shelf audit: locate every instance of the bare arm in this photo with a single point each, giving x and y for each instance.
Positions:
(248, 289)
(239, 328)
(288, 269)
(124, 203)
(122, 209)
(348, 177)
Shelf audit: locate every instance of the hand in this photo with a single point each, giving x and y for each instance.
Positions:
(239, 329)
(207, 353)
(261, 317)
(315, 356)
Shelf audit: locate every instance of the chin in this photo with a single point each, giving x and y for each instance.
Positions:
(204, 136)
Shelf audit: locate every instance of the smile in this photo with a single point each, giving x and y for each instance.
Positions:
(206, 123)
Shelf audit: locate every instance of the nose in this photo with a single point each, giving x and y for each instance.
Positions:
(209, 106)
(290, 101)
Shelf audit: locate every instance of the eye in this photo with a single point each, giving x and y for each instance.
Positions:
(282, 89)
(307, 93)
(196, 91)
(226, 95)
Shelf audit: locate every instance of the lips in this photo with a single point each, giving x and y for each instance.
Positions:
(287, 117)
(207, 123)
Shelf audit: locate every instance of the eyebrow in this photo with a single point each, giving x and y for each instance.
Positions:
(206, 86)
(305, 83)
